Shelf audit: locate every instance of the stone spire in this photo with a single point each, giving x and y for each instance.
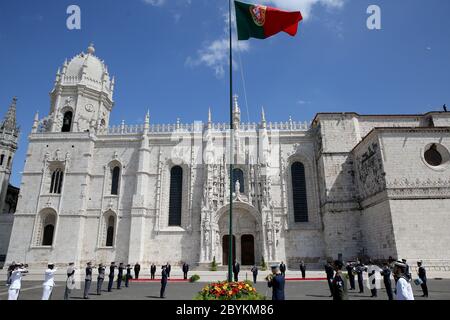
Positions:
(91, 49)
(35, 122)
(9, 123)
(263, 118)
(236, 111)
(209, 119)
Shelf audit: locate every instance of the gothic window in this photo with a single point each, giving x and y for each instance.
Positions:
(299, 192)
(238, 175)
(176, 195)
(56, 181)
(115, 175)
(2, 157)
(67, 121)
(110, 231)
(48, 226)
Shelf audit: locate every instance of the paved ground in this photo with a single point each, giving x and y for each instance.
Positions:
(295, 290)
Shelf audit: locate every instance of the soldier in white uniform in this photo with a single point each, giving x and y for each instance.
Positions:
(403, 287)
(16, 281)
(49, 281)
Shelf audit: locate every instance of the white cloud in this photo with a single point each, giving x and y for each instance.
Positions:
(156, 3)
(215, 55)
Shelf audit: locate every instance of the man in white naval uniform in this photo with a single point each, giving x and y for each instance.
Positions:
(16, 281)
(49, 281)
(403, 287)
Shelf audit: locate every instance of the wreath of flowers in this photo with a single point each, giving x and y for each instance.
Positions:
(223, 290)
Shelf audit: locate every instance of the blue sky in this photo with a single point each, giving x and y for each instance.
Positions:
(168, 56)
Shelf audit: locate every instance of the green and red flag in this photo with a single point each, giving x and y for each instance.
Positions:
(261, 22)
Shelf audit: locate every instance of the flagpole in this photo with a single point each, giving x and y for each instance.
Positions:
(230, 231)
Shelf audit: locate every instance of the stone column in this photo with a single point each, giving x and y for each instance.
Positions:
(138, 209)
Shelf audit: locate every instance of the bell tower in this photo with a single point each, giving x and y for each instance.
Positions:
(82, 97)
(9, 135)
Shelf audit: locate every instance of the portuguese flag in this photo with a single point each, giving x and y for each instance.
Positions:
(261, 22)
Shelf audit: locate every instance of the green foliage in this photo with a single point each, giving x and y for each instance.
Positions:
(194, 278)
(263, 264)
(213, 264)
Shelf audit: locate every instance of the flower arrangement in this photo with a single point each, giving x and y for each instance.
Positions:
(224, 290)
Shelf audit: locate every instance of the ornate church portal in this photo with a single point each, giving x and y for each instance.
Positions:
(247, 240)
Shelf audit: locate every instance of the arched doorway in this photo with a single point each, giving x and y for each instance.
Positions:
(247, 249)
(247, 238)
(225, 248)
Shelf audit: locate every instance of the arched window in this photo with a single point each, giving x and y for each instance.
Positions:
(2, 157)
(238, 175)
(48, 226)
(299, 198)
(56, 181)
(9, 162)
(110, 232)
(176, 196)
(115, 175)
(67, 121)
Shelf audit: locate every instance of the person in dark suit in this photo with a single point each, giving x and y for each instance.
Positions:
(351, 276)
(339, 282)
(283, 268)
(422, 273)
(128, 276)
(164, 276)
(386, 273)
(120, 275)
(254, 270)
(303, 269)
(329, 271)
(137, 269)
(152, 271)
(100, 278)
(359, 269)
(112, 267)
(236, 270)
(185, 269)
(168, 269)
(408, 271)
(87, 280)
(276, 281)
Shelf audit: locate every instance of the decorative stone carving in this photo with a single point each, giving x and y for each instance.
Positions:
(370, 171)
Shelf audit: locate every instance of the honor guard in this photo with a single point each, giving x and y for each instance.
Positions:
(119, 275)
(422, 273)
(70, 282)
(100, 278)
(49, 281)
(339, 283)
(386, 273)
(403, 287)
(351, 274)
(329, 271)
(112, 267)
(359, 269)
(276, 281)
(16, 281)
(87, 280)
(128, 275)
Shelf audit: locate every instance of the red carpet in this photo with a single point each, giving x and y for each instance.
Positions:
(182, 280)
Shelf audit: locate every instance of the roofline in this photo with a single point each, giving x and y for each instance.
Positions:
(400, 115)
(380, 129)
